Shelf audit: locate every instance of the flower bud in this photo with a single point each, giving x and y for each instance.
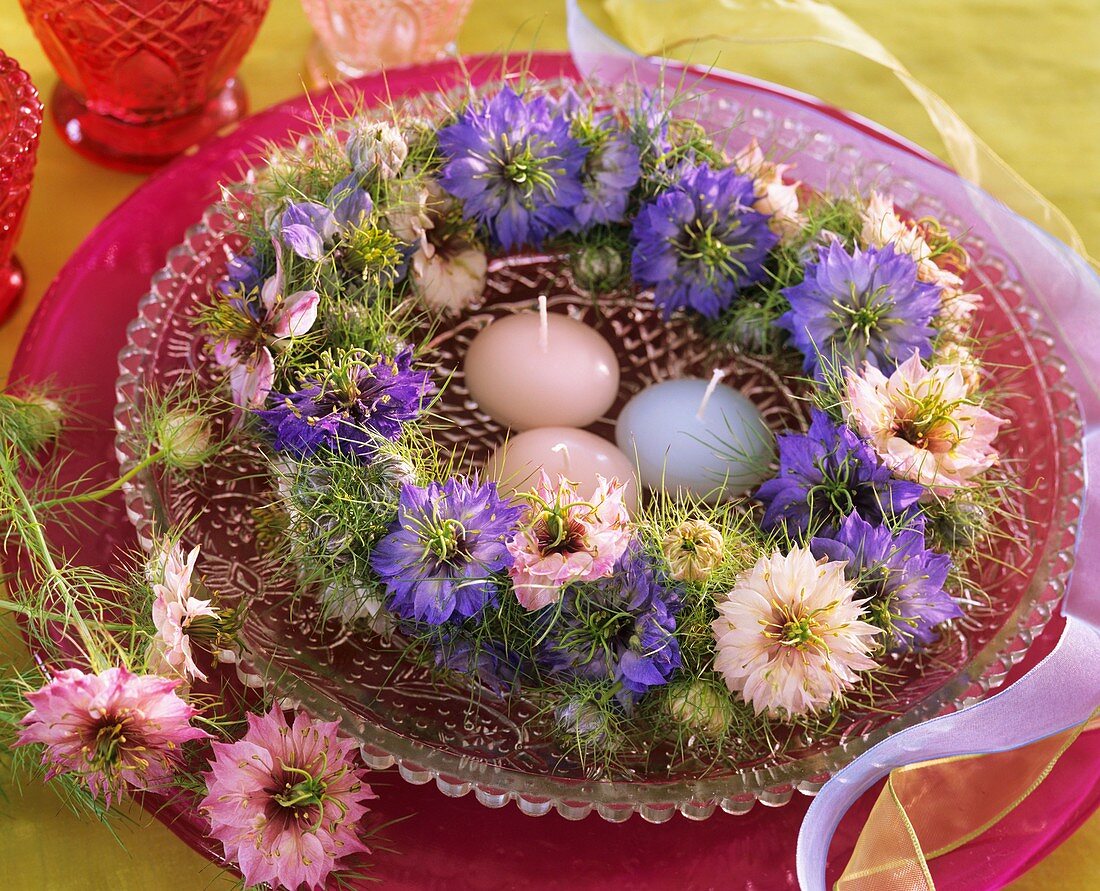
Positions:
(39, 420)
(962, 524)
(377, 149)
(700, 707)
(693, 550)
(184, 437)
(598, 268)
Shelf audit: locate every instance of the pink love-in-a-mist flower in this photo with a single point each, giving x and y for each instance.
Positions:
(267, 320)
(567, 538)
(774, 196)
(111, 729)
(174, 609)
(286, 801)
(923, 422)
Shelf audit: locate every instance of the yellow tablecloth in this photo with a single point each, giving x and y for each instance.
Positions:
(1024, 73)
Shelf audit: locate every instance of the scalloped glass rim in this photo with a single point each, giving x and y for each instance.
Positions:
(655, 800)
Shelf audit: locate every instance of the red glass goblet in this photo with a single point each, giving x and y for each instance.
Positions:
(20, 126)
(142, 80)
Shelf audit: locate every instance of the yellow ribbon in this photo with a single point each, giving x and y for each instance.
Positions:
(690, 29)
(929, 809)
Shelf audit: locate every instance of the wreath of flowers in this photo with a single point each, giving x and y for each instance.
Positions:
(710, 623)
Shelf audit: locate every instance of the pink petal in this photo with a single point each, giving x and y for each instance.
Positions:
(298, 314)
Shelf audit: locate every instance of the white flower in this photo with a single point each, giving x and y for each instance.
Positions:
(449, 280)
(774, 197)
(790, 635)
(376, 147)
(174, 609)
(693, 550)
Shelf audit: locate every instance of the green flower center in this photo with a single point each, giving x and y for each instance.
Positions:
(446, 540)
(308, 792)
(717, 255)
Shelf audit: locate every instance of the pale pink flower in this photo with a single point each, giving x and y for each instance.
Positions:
(286, 802)
(923, 422)
(567, 538)
(790, 635)
(447, 269)
(774, 196)
(111, 729)
(266, 325)
(174, 609)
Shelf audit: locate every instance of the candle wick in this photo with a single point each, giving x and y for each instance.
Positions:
(544, 325)
(562, 449)
(711, 387)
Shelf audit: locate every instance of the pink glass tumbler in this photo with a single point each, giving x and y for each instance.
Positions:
(20, 127)
(356, 37)
(142, 80)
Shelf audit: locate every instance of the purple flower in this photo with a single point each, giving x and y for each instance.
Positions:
(620, 628)
(515, 167)
(439, 559)
(700, 243)
(348, 408)
(306, 227)
(244, 274)
(864, 306)
(492, 664)
(827, 473)
(611, 170)
(901, 578)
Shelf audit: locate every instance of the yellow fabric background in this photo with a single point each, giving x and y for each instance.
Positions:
(1024, 73)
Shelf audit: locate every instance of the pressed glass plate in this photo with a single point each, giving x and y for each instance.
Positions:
(467, 739)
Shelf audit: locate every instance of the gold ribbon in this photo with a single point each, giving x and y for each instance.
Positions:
(932, 808)
(689, 29)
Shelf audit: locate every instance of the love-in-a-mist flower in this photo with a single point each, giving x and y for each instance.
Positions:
(700, 243)
(620, 628)
(901, 580)
(444, 549)
(286, 801)
(827, 473)
(923, 422)
(774, 196)
(791, 634)
(376, 149)
(308, 227)
(611, 165)
(113, 729)
(175, 608)
(864, 306)
(693, 550)
(250, 326)
(515, 166)
(349, 405)
(567, 537)
(448, 267)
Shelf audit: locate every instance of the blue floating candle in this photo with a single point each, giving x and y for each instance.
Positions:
(696, 436)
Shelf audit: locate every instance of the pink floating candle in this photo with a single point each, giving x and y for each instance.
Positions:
(541, 370)
(578, 455)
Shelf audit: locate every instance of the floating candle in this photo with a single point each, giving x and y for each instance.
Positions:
(575, 454)
(696, 436)
(541, 370)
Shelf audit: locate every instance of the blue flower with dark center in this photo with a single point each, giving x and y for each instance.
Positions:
(244, 274)
(860, 306)
(620, 629)
(827, 473)
(902, 580)
(515, 166)
(700, 243)
(348, 406)
(439, 559)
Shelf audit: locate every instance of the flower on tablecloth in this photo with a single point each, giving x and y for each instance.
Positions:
(111, 729)
(286, 801)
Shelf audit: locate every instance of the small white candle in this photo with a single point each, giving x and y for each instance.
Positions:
(696, 436)
(541, 370)
(577, 455)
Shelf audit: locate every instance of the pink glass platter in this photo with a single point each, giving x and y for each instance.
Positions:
(73, 340)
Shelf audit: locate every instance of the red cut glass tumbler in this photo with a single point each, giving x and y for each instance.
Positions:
(20, 127)
(142, 80)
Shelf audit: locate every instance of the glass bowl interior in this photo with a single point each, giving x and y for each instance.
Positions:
(467, 739)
